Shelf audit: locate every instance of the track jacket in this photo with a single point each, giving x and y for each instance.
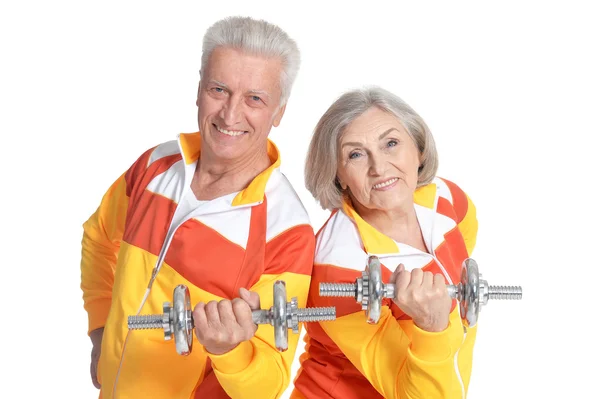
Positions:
(349, 358)
(246, 239)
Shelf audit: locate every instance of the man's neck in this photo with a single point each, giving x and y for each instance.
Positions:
(214, 178)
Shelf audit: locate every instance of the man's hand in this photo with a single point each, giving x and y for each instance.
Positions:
(96, 337)
(222, 326)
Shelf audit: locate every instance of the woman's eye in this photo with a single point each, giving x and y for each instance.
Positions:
(255, 98)
(354, 155)
(392, 143)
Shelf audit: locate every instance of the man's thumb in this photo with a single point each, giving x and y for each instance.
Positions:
(251, 298)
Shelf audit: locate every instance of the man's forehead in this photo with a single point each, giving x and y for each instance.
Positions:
(235, 67)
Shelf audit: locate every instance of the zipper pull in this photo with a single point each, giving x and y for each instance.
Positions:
(154, 272)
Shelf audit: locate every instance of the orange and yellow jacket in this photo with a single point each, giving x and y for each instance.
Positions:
(246, 239)
(348, 358)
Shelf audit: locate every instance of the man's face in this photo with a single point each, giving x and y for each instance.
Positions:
(238, 102)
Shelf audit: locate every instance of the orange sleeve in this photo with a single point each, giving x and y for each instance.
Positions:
(466, 214)
(102, 234)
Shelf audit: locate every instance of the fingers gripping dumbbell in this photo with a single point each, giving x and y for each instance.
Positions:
(178, 323)
(472, 292)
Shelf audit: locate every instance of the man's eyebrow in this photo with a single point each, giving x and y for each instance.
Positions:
(218, 83)
(252, 91)
(259, 92)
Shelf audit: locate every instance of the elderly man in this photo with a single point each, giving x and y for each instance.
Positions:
(210, 210)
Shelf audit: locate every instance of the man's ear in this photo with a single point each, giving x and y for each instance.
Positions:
(279, 115)
(198, 93)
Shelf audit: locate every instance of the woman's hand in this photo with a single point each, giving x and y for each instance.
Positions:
(423, 296)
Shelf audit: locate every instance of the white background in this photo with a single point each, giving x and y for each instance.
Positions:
(509, 90)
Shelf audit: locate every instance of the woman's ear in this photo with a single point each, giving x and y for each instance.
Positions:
(421, 162)
(339, 184)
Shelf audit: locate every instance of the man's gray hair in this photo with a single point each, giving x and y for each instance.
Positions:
(320, 172)
(256, 37)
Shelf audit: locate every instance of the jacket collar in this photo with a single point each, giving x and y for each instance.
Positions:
(190, 145)
(377, 243)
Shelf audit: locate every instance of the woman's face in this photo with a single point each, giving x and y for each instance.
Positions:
(378, 162)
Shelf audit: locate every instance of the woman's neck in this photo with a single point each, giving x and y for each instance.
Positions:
(401, 224)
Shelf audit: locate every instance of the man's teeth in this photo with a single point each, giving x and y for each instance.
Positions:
(385, 183)
(230, 132)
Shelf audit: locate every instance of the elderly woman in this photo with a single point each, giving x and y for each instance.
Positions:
(373, 162)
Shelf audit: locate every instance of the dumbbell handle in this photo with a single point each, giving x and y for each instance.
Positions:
(305, 315)
(350, 290)
(262, 316)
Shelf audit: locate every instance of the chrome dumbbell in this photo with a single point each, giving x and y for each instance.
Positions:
(178, 323)
(472, 292)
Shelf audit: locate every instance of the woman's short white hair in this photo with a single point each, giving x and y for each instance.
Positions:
(257, 37)
(320, 172)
